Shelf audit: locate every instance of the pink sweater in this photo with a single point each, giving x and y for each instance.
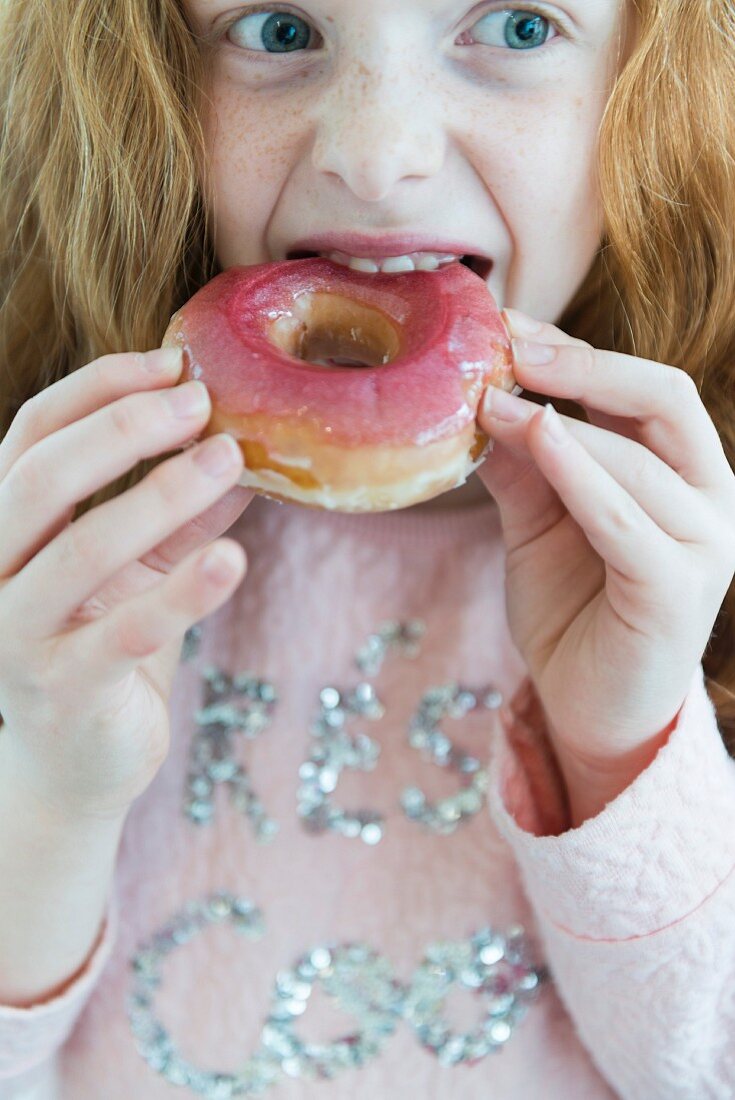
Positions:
(620, 980)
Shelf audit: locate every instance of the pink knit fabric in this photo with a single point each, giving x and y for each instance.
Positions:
(633, 913)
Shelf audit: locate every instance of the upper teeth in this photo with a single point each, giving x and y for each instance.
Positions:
(391, 265)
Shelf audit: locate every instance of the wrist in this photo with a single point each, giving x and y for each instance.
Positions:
(591, 786)
(56, 872)
(35, 799)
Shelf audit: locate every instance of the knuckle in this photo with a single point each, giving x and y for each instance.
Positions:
(624, 518)
(681, 384)
(109, 366)
(101, 372)
(167, 483)
(585, 355)
(641, 469)
(130, 637)
(124, 418)
(584, 370)
(80, 542)
(30, 478)
(29, 419)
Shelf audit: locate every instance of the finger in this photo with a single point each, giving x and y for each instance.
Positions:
(520, 325)
(145, 623)
(92, 549)
(144, 573)
(662, 402)
(542, 332)
(49, 479)
(528, 505)
(614, 523)
(83, 392)
(681, 512)
(200, 530)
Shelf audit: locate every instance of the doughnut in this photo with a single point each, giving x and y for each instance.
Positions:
(345, 390)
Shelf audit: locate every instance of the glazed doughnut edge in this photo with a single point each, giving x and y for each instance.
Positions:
(334, 478)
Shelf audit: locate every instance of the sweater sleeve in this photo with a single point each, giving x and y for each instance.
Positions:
(31, 1035)
(636, 907)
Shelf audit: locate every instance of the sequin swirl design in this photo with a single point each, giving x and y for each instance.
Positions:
(361, 981)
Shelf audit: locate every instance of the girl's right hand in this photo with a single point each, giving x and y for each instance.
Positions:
(93, 612)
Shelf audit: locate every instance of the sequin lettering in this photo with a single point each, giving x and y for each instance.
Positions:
(333, 749)
(212, 758)
(490, 963)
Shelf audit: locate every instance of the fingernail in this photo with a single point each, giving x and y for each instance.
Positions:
(533, 355)
(217, 456)
(522, 323)
(503, 406)
(191, 399)
(553, 425)
(163, 360)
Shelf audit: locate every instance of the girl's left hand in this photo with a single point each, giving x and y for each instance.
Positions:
(620, 539)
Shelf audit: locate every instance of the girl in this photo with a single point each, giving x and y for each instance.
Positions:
(459, 852)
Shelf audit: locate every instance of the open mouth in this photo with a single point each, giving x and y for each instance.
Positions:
(479, 264)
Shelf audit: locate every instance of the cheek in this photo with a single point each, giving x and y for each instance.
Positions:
(253, 144)
(538, 160)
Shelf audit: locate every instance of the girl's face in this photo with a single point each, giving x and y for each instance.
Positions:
(469, 124)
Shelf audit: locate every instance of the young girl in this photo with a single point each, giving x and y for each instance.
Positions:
(474, 836)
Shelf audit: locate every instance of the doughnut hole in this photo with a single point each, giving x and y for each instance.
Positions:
(330, 330)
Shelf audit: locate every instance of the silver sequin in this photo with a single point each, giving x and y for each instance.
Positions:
(426, 735)
(192, 642)
(152, 1040)
(489, 964)
(493, 966)
(212, 758)
(333, 749)
(405, 637)
(362, 983)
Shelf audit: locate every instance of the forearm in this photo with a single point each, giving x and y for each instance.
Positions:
(55, 877)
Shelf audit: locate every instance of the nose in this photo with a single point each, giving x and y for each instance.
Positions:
(378, 128)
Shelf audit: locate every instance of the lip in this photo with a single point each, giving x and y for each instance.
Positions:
(370, 247)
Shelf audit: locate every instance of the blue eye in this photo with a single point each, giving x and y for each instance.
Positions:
(280, 32)
(515, 27)
(274, 32)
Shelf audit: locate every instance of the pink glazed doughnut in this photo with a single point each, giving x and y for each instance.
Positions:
(346, 391)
